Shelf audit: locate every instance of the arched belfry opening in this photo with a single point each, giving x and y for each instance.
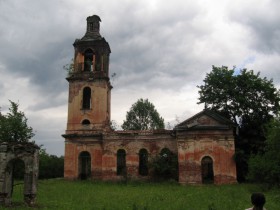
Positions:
(92, 51)
(88, 60)
(17, 158)
(84, 165)
(207, 171)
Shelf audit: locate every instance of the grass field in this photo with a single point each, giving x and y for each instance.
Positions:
(89, 195)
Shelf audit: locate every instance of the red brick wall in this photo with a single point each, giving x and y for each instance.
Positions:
(194, 146)
(191, 148)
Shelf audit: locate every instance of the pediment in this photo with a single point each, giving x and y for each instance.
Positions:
(205, 119)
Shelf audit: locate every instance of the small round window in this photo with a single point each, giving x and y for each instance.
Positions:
(85, 122)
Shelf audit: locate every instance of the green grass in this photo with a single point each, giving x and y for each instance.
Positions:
(89, 195)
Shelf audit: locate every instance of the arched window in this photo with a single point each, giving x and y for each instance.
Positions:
(88, 58)
(86, 98)
(207, 170)
(86, 122)
(84, 165)
(166, 155)
(143, 162)
(121, 162)
(167, 165)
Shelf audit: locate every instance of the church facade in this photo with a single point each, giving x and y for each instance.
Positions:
(203, 143)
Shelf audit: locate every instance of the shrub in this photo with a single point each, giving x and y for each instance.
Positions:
(165, 165)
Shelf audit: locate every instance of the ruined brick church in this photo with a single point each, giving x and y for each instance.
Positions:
(204, 143)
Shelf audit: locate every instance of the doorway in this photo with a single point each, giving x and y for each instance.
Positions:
(84, 165)
(207, 172)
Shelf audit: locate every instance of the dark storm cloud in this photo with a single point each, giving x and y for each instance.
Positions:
(157, 48)
(36, 41)
(34, 44)
(45, 72)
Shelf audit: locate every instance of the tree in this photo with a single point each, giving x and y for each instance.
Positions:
(266, 167)
(14, 127)
(50, 166)
(244, 97)
(248, 100)
(165, 165)
(143, 116)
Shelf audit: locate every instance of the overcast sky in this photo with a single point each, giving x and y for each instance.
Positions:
(161, 50)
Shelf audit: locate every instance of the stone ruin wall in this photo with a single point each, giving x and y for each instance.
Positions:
(29, 154)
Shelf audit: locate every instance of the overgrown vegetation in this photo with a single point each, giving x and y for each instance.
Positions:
(265, 166)
(165, 166)
(69, 68)
(89, 195)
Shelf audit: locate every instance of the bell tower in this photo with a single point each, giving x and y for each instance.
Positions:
(89, 102)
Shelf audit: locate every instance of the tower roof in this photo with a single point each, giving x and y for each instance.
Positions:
(92, 38)
(93, 27)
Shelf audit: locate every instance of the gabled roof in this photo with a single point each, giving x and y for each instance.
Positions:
(205, 120)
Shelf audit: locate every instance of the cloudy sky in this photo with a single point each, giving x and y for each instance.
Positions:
(161, 50)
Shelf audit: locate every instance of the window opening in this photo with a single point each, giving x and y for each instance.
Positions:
(143, 162)
(121, 162)
(167, 167)
(91, 26)
(84, 165)
(207, 170)
(88, 58)
(86, 122)
(86, 98)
